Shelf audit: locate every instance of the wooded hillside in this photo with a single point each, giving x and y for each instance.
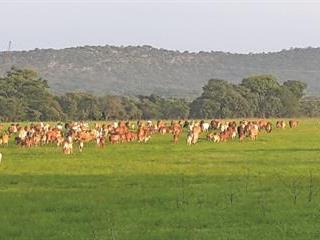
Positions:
(145, 70)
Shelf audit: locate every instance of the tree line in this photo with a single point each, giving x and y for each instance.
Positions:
(24, 96)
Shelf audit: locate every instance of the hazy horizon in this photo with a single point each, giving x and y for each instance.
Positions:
(229, 26)
(179, 50)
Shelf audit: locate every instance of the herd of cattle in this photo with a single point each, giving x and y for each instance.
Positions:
(66, 135)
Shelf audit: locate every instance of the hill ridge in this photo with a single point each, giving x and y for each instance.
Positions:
(133, 70)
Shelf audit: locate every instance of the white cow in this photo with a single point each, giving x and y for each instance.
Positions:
(224, 126)
(115, 124)
(189, 138)
(216, 138)
(205, 127)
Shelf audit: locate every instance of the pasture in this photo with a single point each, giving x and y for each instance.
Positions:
(263, 189)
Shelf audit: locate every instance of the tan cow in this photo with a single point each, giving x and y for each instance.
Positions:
(176, 131)
(213, 137)
(5, 139)
(143, 133)
(281, 124)
(196, 130)
(81, 146)
(253, 131)
(86, 136)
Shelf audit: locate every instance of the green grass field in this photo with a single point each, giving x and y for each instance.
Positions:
(157, 190)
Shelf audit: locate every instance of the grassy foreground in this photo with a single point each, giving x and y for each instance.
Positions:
(267, 189)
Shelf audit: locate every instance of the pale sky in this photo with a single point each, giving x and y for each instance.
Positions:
(232, 26)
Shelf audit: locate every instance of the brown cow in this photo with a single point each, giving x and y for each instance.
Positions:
(129, 136)
(164, 130)
(268, 127)
(160, 124)
(242, 131)
(13, 129)
(215, 124)
(86, 136)
(143, 133)
(114, 138)
(225, 135)
(293, 123)
(53, 135)
(262, 123)
(101, 141)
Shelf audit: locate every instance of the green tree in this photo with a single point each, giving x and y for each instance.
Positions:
(80, 106)
(27, 97)
(150, 107)
(291, 93)
(174, 108)
(266, 91)
(310, 106)
(220, 99)
(117, 107)
(296, 87)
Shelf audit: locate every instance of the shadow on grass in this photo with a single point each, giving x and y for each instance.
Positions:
(284, 150)
(267, 150)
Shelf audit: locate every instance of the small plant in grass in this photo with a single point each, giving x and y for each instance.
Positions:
(283, 229)
(232, 191)
(181, 199)
(293, 186)
(312, 189)
(111, 225)
(263, 206)
(202, 199)
(230, 197)
(247, 179)
(94, 236)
